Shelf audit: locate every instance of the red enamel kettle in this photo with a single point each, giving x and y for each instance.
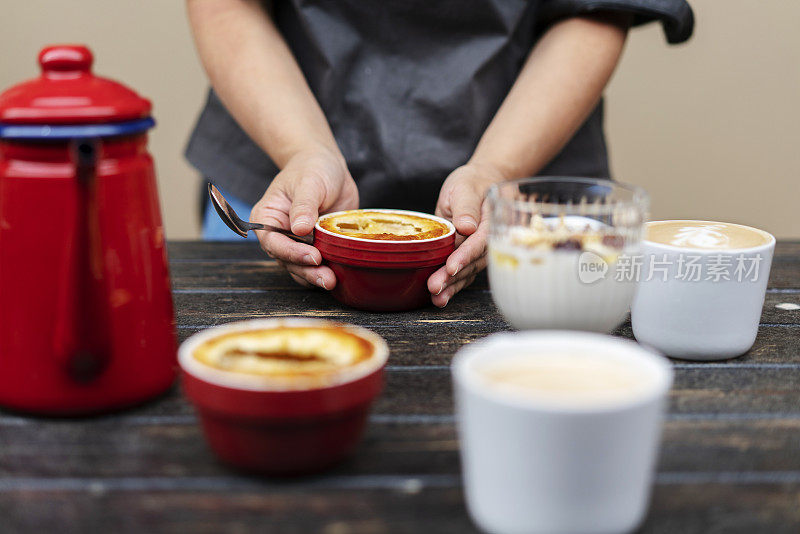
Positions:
(86, 318)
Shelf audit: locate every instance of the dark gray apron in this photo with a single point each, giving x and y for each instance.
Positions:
(409, 86)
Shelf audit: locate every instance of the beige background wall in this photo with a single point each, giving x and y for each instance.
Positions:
(710, 128)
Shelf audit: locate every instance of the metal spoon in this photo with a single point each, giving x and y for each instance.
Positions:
(235, 223)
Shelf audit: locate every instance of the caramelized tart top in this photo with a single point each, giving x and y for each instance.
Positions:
(384, 226)
(290, 353)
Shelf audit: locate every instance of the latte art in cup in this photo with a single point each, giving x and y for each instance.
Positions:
(705, 235)
(702, 287)
(383, 225)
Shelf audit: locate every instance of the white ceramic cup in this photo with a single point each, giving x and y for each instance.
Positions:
(710, 318)
(533, 466)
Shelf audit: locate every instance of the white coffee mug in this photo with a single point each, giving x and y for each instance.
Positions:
(701, 304)
(533, 466)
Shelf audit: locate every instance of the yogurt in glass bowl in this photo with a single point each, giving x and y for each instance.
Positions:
(564, 253)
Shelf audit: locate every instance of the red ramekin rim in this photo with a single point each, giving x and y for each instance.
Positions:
(388, 265)
(244, 382)
(451, 227)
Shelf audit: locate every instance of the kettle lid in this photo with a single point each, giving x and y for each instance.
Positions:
(68, 93)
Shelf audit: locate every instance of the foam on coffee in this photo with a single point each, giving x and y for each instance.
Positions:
(564, 377)
(706, 235)
(383, 225)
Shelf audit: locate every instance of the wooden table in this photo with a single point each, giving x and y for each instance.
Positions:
(730, 459)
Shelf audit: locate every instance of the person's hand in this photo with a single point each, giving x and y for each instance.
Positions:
(462, 201)
(310, 183)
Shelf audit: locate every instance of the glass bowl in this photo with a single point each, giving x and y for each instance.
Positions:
(563, 252)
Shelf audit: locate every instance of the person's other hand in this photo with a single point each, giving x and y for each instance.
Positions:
(462, 201)
(311, 183)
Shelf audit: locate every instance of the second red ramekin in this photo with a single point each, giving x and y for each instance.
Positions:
(279, 432)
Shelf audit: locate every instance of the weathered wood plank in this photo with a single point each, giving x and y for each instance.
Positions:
(787, 249)
(726, 390)
(266, 275)
(773, 315)
(696, 390)
(718, 508)
(468, 307)
(785, 275)
(214, 250)
(283, 509)
(113, 447)
(241, 250)
(416, 507)
(193, 309)
(731, 390)
(774, 344)
(425, 345)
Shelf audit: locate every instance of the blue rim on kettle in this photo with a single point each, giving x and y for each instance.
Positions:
(62, 132)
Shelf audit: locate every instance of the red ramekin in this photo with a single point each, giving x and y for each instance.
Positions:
(254, 427)
(383, 275)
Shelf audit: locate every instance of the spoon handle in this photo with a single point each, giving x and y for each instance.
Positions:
(241, 227)
(307, 239)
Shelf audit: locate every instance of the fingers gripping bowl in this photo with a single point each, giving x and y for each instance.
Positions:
(283, 396)
(382, 258)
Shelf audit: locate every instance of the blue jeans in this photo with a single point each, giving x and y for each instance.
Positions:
(216, 230)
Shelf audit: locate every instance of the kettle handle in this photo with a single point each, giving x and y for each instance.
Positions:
(92, 350)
